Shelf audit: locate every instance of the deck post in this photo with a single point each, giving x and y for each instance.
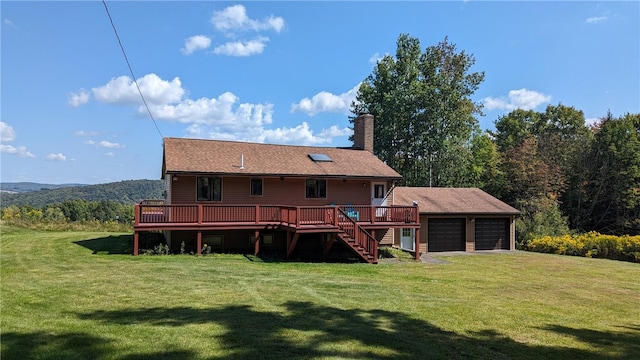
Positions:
(199, 243)
(256, 246)
(374, 251)
(291, 244)
(200, 214)
(135, 243)
(417, 243)
(329, 244)
(257, 215)
(136, 214)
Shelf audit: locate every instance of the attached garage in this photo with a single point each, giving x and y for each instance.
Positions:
(446, 235)
(459, 219)
(492, 234)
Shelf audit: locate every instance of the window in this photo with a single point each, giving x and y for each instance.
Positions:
(320, 157)
(316, 189)
(378, 191)
(209, 189)
(215, 241)
(256, 187)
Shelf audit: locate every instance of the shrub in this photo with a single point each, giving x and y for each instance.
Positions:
(591, 244)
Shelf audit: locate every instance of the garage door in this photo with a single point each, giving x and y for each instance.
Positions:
(492, 234)
(446, 235)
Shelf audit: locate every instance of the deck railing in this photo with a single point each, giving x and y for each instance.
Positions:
(153, 213)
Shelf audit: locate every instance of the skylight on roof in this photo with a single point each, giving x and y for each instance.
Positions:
(320, 157)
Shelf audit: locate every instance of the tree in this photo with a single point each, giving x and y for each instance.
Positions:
(424, 112)
(612, 203)
(486, 165)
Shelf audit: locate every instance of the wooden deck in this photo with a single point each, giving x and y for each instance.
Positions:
(350, 223)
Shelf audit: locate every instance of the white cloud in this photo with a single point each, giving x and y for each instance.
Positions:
(9, 23)
(239, 48)
(109, 154)
(223, 113)
(79, 98)
(56, 157)
(326, 102)
(20, 151)
(227, 118)
(517, 99)
(232, 21)
(376, 57)
(6, 132)
(194, 43)
(85, 133)
(335, 131)
(592, 121)
(596, 19)
(301, 134)
(122, 90)
(234, 18)
(110, 145)
(105, 144)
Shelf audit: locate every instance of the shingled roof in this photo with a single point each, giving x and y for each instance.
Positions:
(451, 201)
(226, 157)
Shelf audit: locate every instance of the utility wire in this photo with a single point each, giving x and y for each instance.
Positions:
(135, 81)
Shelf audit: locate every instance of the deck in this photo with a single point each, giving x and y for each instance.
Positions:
(350, 222)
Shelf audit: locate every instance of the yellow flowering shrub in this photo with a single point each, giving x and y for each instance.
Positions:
(591, 244)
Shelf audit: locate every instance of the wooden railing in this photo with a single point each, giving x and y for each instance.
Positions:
(153, 213)
(365, 244)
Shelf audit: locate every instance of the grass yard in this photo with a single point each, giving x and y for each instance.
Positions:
(79, 295)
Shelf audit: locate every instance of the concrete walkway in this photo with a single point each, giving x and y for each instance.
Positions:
(429, 257)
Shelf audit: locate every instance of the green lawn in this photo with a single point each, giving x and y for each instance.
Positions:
(79, 295)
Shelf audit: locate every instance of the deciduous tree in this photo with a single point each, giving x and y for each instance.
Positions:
(424, 113)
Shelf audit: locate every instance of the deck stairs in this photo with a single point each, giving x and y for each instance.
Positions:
(357, 238)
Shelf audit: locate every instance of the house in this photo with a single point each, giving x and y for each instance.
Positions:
(456, 219)
(250, 197)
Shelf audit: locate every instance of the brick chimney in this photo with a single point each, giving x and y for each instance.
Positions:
(363, 132)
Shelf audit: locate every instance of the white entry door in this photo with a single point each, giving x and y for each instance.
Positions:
(379, 198)
(378, 194)
(407, 239)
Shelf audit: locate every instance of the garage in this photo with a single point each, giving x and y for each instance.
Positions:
(446, 234)
(492, 234)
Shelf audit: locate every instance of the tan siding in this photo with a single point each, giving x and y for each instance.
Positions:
(512, 233)
(424, 221)
(396, 237)
(386, 238)
(471, 235)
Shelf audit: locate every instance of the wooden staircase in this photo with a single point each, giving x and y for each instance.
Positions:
(357, 238)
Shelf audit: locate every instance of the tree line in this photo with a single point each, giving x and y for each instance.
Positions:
(76, 210)
(563, 175)
(126, 192)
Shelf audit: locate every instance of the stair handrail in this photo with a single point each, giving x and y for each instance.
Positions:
(361, 238)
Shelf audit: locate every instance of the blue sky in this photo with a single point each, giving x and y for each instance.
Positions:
(275, 72)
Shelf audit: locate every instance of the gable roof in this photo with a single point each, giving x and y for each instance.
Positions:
(225, 157)
(451, 201)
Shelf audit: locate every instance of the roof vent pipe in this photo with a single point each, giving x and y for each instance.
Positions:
(242, 162)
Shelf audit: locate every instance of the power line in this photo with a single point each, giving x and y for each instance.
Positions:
(135, 81)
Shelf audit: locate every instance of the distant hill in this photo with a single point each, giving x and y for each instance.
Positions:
(20, 187)
(125, 192)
